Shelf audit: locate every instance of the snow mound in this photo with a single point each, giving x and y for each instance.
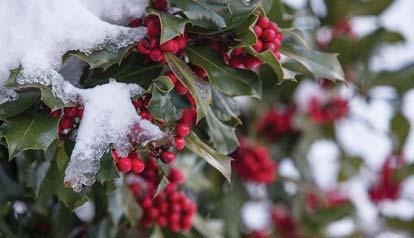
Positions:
(109, 118)
(36, 34)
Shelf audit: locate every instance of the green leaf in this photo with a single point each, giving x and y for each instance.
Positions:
(319, 64)
(122, 202)
(25, 99)
(5, 229)
(219, 161)
(245, 33)
(269, 58)
(29, 131)
(225, 107)
(37, 173)
(199, 89)
(216, 15)
(400, 127)
(156, 233)
(171, 26)
(102, 58)
(134, 70)
(224, 137)
(230, 81)
(162, 106)
(52, 101)
(163, 183)
(107, 170)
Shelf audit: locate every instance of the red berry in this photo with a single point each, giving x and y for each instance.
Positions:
(80, 112)
(237, 51)
(156, 55)
(181, 41)
(124, 165)
(170, 46)
(71, 112)
(137, 166)
(182, 130)
(189, 116)
(160, 5)
(153, 26)
(199, 71)
(251, 62)
(143, 46)
(167, 157)
(269, 35)
(279, 36)
(56, 113)
(171, 75)
(274, 26)
(258, 30)
(236, 62)
(146, 115)
(258, 46)
(66, 123)
(269, 45)
(180, 88)
(263, 22)
(135, 22)
(191, 100)
(179, 143)
(137, 103)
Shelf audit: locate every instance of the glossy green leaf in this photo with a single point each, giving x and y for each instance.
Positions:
(199, 89)
(230, 81)
(29, 131)
(103, 58)
(52, 101)
(225, 107)
(24, 100)
(269, 58)
(107, 170)
(162, 106)
(219, 161)
(224, 137)
(323, 65)
(171, 26)
(400, 127)
(245, 34)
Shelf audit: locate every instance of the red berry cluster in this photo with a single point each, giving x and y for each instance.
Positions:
(130, 163)
(328, 199)
(170, 208)
(284, 222)
(387, 186)
(70, 118)
(254, 163)
(269, 36)
(326, 112)
(150, 45)
(276, 123)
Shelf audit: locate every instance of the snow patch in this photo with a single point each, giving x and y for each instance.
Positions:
(36, 34)
(109, 118)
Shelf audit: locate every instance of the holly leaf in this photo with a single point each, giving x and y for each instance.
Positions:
(102, 58)
(225, 107)
(269, 58)
(199, 89)
(25, 99)
(31, 130)
(52, 101)
(107, 170)
(162, 106)
(224, 137)
(171, 26)
(230, 81)
(400, 129)
(219, 161)
(245, 33)
(322, 65)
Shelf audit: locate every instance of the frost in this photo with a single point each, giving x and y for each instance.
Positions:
(36, 34)
(109, 118)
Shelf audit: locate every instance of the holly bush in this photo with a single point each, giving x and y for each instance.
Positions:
(220, 152)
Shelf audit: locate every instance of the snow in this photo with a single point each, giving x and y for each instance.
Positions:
(109, 117)
(341, 228)
(36, 34)
(324, 163)
(255, 215)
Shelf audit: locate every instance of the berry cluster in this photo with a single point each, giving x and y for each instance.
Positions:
(70, 118)
(170, 208)
(132, 162)
(254, 163)
(150, 45)
(257, 234)
(276, 123)
(342, 28)
(387, 186)
(328, 199)
(326, 112)
(268, 38)
(284, 223)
